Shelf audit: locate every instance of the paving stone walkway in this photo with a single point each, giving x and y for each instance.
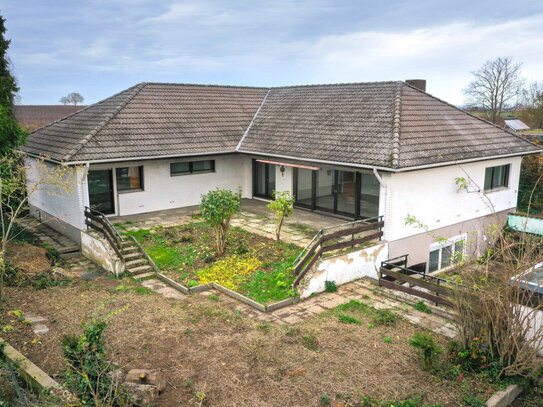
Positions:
(38, 323)
(254, 217)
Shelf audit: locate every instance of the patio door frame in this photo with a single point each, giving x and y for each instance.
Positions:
(113, 187)
(267, 168)
(335, 211)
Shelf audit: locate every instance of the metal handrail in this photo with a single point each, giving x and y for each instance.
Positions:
(424, 275)
(368, 221)
(104, 217)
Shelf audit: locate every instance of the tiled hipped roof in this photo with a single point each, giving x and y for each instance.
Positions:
(380, 124)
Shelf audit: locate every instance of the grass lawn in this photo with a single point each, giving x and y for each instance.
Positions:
(351, 356)
(252, 265)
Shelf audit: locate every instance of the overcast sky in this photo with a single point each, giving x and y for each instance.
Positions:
(98, 48)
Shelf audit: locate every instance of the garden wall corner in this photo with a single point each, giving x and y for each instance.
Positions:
(345, 268)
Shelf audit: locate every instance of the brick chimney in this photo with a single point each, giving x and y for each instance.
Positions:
(417, 83)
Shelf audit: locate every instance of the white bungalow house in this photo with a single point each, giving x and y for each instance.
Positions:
(353, 150)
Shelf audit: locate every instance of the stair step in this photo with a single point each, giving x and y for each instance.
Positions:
(127, 243)
(146, 276)
(140, 270)
(128, 249)
(132, 256)
(134, 263)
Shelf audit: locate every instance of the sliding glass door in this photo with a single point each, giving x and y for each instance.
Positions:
(347, 193)
(263, 179)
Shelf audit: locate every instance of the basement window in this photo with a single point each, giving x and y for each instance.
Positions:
(192, 167)
(129, 178)
(444, 255)
(497, 177)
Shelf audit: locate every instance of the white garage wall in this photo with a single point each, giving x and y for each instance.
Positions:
(162, 191)
(432, 196)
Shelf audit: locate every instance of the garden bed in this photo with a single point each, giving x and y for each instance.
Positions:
(252, 265)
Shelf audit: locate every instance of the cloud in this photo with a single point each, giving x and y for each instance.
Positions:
(270, 42)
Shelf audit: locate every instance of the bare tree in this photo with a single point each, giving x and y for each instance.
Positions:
(532, 102)
(15, 193)
(495, 86)
(72, 99)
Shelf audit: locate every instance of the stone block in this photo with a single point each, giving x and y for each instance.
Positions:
(150, 377)
(143, 394)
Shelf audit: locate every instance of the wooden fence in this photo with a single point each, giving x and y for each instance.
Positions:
(326, 240)
(98, 221)
(402, 279)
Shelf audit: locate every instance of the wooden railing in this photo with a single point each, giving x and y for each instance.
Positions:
(98, 221)
(395, 275)
(329, 239)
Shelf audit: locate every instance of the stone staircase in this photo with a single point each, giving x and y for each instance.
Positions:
(136, 263)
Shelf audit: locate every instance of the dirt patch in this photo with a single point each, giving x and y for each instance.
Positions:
(25, 256)
(205, 345)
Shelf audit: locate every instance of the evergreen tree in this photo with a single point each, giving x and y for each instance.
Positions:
(11, 135)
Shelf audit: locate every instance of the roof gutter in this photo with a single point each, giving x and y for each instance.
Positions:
(144, 158)
(468, 160)
(40, 157)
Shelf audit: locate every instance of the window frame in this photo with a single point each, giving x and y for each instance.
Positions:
(438, 247)
(493, 186)
(129, 189)
(191, 170)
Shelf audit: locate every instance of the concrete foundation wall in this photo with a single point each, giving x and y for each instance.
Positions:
(477, 231)
(345, 268)
(95, 249)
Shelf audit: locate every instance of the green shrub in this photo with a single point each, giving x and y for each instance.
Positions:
(384, 317)
(89, 371)
(347, 319)
(330, 286)
(387, 339)
(217, 208)
(281, 205)
(325, 399)
(425, 343)
(421, 306)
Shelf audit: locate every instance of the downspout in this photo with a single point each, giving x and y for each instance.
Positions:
(84, 192)
(385, 187)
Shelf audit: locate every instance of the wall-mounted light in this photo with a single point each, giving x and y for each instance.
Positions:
(282, 169)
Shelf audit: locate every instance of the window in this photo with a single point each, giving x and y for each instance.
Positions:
(129, 178)
(443, 255)
(192, 167)
(496, 177)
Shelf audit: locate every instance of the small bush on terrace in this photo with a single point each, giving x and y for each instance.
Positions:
(281, 205)
(217, 208)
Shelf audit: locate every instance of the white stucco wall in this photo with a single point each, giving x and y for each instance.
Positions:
(59, 204)
(283, 181)
(163, 191)
(98, 251)
(345, 268)
(432, 196)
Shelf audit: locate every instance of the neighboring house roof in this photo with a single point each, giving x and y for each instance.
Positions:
(32, 117)
(515, 124)
(381, 124)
